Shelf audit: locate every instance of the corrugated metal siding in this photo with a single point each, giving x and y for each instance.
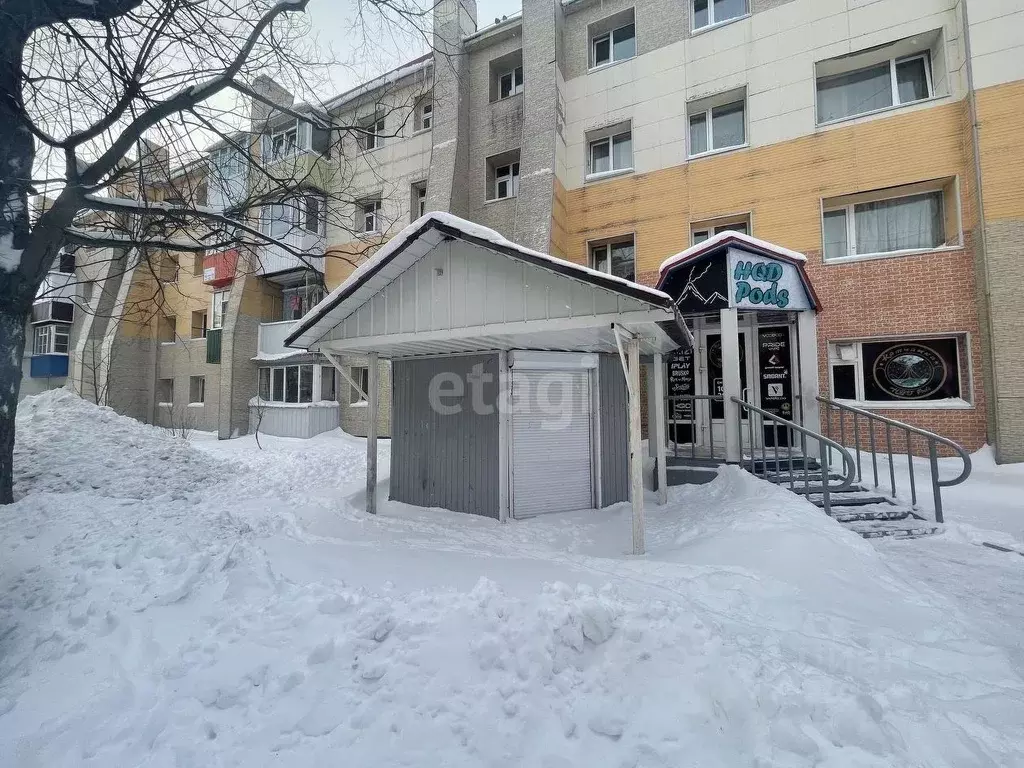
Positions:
(295, 422)
(444, 460)
(614, 404)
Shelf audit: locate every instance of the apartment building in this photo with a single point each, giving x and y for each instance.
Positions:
(878, 139)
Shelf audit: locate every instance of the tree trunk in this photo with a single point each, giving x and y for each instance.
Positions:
(12, 350)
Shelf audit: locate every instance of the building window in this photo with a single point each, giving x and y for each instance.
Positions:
(616, 257)
(610, 153)
(279, 219)
(708, 12)
(227, 162)
(885, 223)
(717, 128)
(705, 230)
(285, 143)
(286, 384)
(165, 391)
(66, 261)
(198, 260)
(197, 389)
(166, 267)
(506, 181)
(166, 329)
(510, 83)
(298, 300)
(889, 83)
(327, 386)
(51, 340)
(424, 115)
(63, 311)
(199, 327)
(419, 199)
(372, 135)
(312, 219)
(613, 39)
(220, 308)
(900, 371)
(370, 216)
(361, 376)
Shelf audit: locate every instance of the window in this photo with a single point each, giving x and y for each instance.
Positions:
(53, 310)
(197, 264)
(903, 371)
(896, 81)
(610, 154)
(197, 389)
(286, 384)
(51, 340)
(298, 300)
(506, 181)
(372, 135)
(885, 224)
(708, 12)
(419, 199)
(327, 379)
(610, 45)
(165, 330)
(426, 115)
(706, 230)
(285, 143)
(228, 162)
(165, 391)
(279, 219)
(717, 128)
(370, 212)
(510, 83)
(199, 324)
(360, 376)
(66, 262)
(616, 257)
(167, 267)
(220, 308)
(312, 218)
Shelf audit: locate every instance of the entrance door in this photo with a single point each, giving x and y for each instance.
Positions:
(552, 451)
(712, 364)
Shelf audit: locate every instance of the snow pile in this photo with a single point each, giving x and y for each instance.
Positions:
(65, 444)
(262, 618)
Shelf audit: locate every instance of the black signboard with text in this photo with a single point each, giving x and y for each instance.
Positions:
(775, 371)
(681, 384)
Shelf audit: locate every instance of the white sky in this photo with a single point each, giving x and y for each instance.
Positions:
(332, 22)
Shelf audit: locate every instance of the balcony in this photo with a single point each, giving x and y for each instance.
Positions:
(270, 339)
(274, 259)
(219, 268)
(58, 285)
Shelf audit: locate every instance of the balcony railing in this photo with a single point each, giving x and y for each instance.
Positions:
(275, 259)
(58, 285)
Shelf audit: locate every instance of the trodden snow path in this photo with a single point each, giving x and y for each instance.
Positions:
(173, 604)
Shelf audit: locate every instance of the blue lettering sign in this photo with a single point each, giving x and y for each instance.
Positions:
(760, 272)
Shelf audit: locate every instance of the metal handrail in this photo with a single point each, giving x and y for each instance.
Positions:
(826, 445)
(692, 421)
(933, 440)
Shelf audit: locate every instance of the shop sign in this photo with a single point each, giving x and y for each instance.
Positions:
(775, 369)
(681, 384)
(758, 282)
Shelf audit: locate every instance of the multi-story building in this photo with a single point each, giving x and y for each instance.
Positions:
(877, 138)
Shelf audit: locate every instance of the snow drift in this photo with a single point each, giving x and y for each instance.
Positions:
(188, 625)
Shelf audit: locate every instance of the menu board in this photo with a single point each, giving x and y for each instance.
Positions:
(775, 371)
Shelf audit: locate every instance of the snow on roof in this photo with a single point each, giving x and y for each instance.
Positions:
(470, 229)
(387, 78)
(712, 242)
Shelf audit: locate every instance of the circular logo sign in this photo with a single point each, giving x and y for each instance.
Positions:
(910, 371)
(715, 354)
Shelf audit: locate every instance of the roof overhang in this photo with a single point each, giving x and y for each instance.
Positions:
(652, 316)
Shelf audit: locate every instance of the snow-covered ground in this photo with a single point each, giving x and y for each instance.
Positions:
(165, 603)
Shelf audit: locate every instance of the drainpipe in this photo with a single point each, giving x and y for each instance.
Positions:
(980, 206)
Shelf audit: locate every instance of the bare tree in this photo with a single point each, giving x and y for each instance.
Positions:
(108, 109)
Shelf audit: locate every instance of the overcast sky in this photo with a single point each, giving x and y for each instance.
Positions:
(332, 22)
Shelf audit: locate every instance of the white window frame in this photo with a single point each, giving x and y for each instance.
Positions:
(286, 149)
(508, 173)
(218, 308)
(312, 373)
(426, 115)
(320, 211)
(717, 229)
(610, 141)
(893, 62)
(709, 130)
(606, 246)
(370, 211)
(516, 86)
(851, 229)
(372, 135)
(202, 390)
(228, 162)
(361, 375)
(855, 351)
(610, 37)
(48, 335)
(421, 199)
(712, 21)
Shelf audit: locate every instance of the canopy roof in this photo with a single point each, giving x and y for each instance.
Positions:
(446, 285)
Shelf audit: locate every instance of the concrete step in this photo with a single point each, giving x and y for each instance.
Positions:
(871, 512)
(897, 529)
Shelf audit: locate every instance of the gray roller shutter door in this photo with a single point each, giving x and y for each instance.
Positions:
(551, 446)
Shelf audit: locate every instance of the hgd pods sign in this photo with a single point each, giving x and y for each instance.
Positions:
(757, 282)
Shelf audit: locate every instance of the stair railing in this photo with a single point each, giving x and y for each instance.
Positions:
(827, 447)
(931, 441)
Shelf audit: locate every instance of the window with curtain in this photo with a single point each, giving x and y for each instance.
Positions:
(616, 258)
(914, 222)
(886, 84)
